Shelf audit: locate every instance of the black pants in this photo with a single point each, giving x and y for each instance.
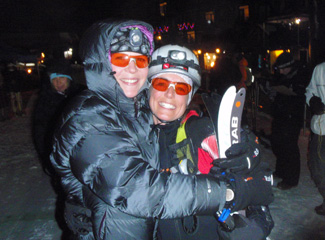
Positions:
(316, 162)
(195, 228)
(284, 141)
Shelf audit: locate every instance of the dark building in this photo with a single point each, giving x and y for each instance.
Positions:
(254, 27)
(210, 26)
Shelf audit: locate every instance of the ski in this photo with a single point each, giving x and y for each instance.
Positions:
(224, 120)
(236, 116)
(229, 125)
(226, 115)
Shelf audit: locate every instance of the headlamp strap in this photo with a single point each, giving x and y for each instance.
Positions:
(166, 63)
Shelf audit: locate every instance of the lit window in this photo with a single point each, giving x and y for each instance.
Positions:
(244, 12)
(163, 8)
(209, 17)
(191, 37)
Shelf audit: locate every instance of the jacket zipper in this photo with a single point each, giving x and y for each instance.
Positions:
(136, 106)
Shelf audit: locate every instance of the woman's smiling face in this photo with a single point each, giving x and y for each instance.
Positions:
(168, 105)
(130, 78)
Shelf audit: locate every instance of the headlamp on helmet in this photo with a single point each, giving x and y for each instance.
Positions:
(176, 55)
(176, 59)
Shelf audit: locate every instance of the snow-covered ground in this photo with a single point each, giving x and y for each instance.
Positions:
(293, 210)
(27, 202)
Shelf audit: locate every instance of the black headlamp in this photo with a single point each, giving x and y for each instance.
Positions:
(135, 37)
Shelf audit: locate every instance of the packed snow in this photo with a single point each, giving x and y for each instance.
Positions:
(27, 203)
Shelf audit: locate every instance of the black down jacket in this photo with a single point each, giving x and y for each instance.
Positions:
(108, 159)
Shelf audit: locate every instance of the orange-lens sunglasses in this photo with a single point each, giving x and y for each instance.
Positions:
(162, 85)
(122, 60)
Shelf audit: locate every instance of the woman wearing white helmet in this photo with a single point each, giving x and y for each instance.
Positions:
(187, 144)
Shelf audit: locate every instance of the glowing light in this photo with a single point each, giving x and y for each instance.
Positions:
(278, 52)
(199, 51)
(218, 50)
(210, 60)
(29, 70)
(43, 55)
(298, 20)
(68, 54)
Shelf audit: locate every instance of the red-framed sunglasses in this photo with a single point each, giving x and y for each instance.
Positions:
(162, 85)
(123, 60)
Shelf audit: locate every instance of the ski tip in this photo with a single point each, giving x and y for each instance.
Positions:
(231, 89)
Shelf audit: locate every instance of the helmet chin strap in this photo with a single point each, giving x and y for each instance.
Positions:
(164, 121)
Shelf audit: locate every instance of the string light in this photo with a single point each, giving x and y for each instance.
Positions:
(185, 26)
(161, 29)
(182, 26)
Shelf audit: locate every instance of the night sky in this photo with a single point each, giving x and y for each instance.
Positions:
(75, 16)
(66, 15)
(52, 15)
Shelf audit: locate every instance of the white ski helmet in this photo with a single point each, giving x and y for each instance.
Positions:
(176, 59)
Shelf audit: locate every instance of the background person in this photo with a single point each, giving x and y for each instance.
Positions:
(315, 98)
(13, 82)
(243, 67)
(187, 145)
(4, 99)
(57, 89)
(288, 112)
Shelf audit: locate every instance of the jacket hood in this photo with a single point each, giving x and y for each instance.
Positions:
(94, 51)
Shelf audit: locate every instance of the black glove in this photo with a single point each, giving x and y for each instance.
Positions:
(77, 218)
(254, 188)
(241, 157)
(261, 215)
(316, 105)
(244, 229)
(257, 225)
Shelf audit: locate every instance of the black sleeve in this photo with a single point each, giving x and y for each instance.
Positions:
(198, 129)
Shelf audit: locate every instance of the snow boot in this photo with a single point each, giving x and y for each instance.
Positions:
(320, 210)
